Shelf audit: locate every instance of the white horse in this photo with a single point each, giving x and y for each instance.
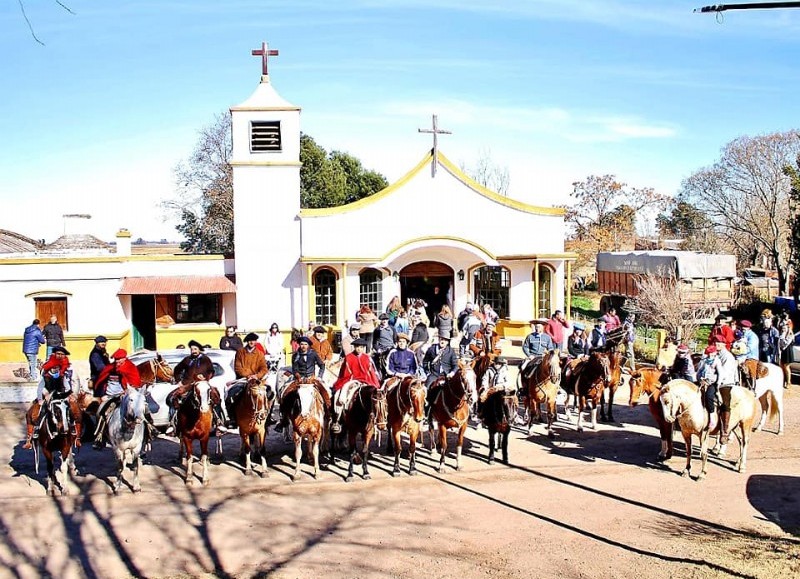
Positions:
(126, 433)
(768, 389)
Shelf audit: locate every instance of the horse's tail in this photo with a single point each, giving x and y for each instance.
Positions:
(774, 408)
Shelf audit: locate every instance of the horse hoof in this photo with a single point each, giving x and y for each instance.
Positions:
(490, 460)
(780, 433)
(685, 474)
(137, 489)
(205, 483)
(701, 477)
(741, 469)
(413, 472)
(551, 435)
(263, 474)
(459, 468)
(580, 429)
(396, 472)
(439, 469)
(367, 477)
(248, 473)
(348, 478)
(189, 483)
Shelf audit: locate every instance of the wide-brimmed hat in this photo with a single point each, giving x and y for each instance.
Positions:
(119, 354)
(355, 327)
(100, 340)
(195, 343)
(251, 337)
(359, 342)
(304, 340)
(319, 330)
(402, 336)
(61, 349)
(500, 361)
(444, 336)
(383, 316)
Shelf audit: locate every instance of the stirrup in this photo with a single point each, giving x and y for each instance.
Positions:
(336, 428)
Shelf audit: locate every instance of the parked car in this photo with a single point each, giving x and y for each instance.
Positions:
(223, 373)
(794, 361)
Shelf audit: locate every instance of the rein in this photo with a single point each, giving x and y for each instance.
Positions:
(462, 399)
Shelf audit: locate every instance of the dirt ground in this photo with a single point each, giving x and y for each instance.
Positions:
(589, 504)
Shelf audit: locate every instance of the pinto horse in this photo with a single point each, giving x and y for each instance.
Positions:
(194, 423)
(366, 412)
(405, 400)
(541, 386)
(587, 380)
(649, 381)
(615, 366)
(767, 382)
(250, 410)
(450, 408)
(498, 409)
(57, 436)
(125, 431)
(307, 415)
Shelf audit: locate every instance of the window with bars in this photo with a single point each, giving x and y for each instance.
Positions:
(369, 282)
(492, 285)
(545, 306)
(325, 297)
(265, 136)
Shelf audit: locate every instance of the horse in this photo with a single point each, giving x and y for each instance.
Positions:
(588, 378)
(194, 418)
(766, 380)
(366, 412)
(307, 416)
(155, 370)
(405, 400)
(250, 412)
(682, 401)
(125, 431)
(615, 366)
(542, 387)
(57, 436)
(498, 409)
(648, 381)
(450, 408)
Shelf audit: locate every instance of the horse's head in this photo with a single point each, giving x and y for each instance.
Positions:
(416, 395)
(132, 406)
(162, 370)
(603, 365)
(553, 361)
(59, 416)
(202, 394)
(467, 380)
(380, 411)
(636, 384)
(669, 404)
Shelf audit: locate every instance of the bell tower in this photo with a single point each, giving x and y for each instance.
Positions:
(266, 206)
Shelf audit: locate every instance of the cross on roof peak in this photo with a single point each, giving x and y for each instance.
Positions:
(436, 131)
(264, 52)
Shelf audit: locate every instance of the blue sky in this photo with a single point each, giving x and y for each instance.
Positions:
(556, 90)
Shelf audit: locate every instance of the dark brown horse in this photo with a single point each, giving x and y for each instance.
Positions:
(615, 365)
(541, 386)
(405, 400)
(250, 411)
(649, 381)
(498, 409)
(587, 379)
(366, 412)
(450, 408)
(57, 436)
(194, 423)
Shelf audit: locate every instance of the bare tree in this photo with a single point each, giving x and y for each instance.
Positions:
(30, 25)
(745, 195)
(488, 173)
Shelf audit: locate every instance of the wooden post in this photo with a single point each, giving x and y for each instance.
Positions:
(536, 289)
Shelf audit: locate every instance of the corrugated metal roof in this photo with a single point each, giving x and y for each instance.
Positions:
(180, 284)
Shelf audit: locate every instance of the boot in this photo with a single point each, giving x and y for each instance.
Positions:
(31, 431)
(99, 443)
(725, 419)
(219, 418)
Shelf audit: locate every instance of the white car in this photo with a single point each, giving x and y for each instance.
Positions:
(223, 373)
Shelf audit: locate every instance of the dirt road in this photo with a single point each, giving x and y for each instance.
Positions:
(588, 504)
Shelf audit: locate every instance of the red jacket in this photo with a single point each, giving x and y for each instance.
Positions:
(53, 362)
(128, 376)
(555, 328)
(357, 367)
(723, 333)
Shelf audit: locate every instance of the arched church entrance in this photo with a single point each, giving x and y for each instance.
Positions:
(431, 281)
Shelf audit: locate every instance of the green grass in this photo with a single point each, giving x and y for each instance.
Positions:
(587, 304)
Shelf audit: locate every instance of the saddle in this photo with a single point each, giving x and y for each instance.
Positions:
(530, 367)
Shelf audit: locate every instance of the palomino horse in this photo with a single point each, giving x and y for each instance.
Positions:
(194, 423)
(615, 366)
(767, 382)
(498, 409)
(405, 400)
(648, 381)
(250, 411)
(542, 387)
(307, 415)
(587, 379)
(366, 412)
(125, 431)
(682, 401)
(56, 436)
(450, 408)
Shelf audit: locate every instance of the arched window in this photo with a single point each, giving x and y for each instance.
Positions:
(369, 284)
(325, 297)
(545, 306)
(491, 287)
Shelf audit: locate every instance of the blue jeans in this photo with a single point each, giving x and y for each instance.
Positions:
(34, 374)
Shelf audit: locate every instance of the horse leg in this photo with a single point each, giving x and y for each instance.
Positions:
(741, 466)
(262, 452)
(367, 440)
(777, 399)
(135, 468)
(764, 401)
(120, 455)
(189, 461)
(394, 436)
(492, 433)
(611, 393)
(204, 459)
(442, 447)
(603, 417)
(460, 445)
(580, 415)
(552, 412)
(244, 454)
(594, 414)
(313, 447)
(412, 450)
(505, 444)
(298, 454)
(351, 443)
(687, 439)
(64, 469)
(703, 455)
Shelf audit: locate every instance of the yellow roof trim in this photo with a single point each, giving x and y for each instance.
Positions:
(567, 256)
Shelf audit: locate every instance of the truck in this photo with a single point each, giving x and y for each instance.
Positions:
(705, 278)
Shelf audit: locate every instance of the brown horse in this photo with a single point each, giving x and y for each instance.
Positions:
(57, 436)
(649, 381)
(194, 423)
(588, 378)
(250, 411)
(450, 408)
(542, 387)
(306, 412)
(615, 366)
(405, 400)
(366, 412)
(154, 370)
(498, 409)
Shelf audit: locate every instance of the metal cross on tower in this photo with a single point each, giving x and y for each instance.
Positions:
(264, 53)
(436, 132)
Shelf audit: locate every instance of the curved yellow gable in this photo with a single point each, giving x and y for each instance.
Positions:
(455, 171)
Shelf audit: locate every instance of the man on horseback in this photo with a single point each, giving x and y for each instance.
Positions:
(249, 363)
(98, 358)
(711, 371)
(402, 361)
(196, 367)
(304, 363)
(440, 363)
(729, 377)
(111, 384)
(321, 345)
(683, 367)
(535, 346)
(357, 366)
(485, 342)
(383, 342)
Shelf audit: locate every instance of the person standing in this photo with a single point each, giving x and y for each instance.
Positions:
(347, 341)
(32, 340)
(98, 358)
(401, 323)
(612, 320)
(555, 328)
(53, 334)
(444, 321)
(230, 341)
(721, 330)
(393, 309)
(274, 345)
(629, 339)
(750, 339)
(768, 336)
(367, 320)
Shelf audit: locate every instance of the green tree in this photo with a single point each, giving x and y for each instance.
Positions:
(687, 222)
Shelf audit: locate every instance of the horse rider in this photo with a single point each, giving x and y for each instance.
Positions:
(196, 367)
(577, 344)
(249, 363)
(485, 342)
(729, 377)
(440, 363)
(402, 361)
(471, 326)
(321, 345)
(307, 367)
(357, 366)
(597, 339)
(710, 373)
(751, 339)
(384, 339)
(347, 341)
(683, 366)
(98, 358)
(111, 384)
(56, 383)
(535, 346)
(721, 330)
